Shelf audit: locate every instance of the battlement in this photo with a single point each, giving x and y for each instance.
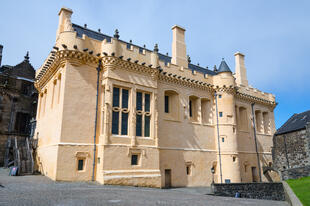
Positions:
(249, 90)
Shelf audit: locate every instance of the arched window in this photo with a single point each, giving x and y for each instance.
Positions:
(171, 104)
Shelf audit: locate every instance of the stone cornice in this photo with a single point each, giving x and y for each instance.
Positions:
(112, 62)
(253, 99)
(57, 60)
(230, 89)
(185, 81)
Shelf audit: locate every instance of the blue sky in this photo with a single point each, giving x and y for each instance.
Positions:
(274, 35)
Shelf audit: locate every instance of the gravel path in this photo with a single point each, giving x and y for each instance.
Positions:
(39, 190)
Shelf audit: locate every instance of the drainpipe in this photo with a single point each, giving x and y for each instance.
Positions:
(218, 137)
(254, 127)
(96, 116)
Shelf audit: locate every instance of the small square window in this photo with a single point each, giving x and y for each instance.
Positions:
(234, 159)
(220, 96)
(221, 114)
(134, 159)
(223, 139)
(80, 164)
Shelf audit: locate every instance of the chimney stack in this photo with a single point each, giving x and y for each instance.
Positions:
(241, 77)
(1, 48)
(64, 21)
(178, 47)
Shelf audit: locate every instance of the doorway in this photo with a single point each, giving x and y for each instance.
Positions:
(254, 174)
(167, 178)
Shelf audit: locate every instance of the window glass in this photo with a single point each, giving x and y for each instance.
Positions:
(139, 101)
(124, 123)
(115, 97)
(147, 103)
(115, 118)
(190, 108)
(80, 164)
(166, 104)
(139, 125)
(124, 98)
(134, 159)
(147, 126)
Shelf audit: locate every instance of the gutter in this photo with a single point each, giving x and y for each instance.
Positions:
(254, 127)
(96, 117)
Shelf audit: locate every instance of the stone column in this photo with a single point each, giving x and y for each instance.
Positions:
(260, 122)
(108, 109)
(155, 116)
(132, 131)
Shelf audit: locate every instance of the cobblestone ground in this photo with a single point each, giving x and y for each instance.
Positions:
(39, 190)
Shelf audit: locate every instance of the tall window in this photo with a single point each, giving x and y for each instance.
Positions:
(120, 111)
(143, 114)
(166, 104)
(193, 108)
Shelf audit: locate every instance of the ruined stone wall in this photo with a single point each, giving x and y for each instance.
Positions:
(291, 150)
(12, 101)
(295, 173)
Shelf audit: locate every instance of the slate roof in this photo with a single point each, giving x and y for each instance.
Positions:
(223, 67)
(295, 123)
(167, 59)
(23, 70)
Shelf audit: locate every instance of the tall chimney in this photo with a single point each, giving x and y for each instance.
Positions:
(241, 77)
(178, 47)
(1, 48)
(64, 20)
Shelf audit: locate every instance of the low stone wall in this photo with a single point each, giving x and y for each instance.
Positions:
(267, 191)
(295, 173)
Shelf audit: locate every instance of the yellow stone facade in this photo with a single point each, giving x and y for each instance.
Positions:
(167, 132)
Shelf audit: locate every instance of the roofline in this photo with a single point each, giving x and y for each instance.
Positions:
(295, 130)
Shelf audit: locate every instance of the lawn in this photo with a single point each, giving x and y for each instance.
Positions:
(301, 188)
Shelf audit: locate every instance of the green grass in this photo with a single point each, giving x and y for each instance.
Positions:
(301, 188)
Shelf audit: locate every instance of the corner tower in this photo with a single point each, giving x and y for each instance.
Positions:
(227, 146)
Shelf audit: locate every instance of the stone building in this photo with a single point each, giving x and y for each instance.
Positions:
(291, 150)
(18, 99)
(159, 122)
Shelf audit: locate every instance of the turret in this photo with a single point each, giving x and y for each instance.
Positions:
(225, 83)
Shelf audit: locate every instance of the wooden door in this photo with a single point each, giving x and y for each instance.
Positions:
(254, 174)
(167, 178)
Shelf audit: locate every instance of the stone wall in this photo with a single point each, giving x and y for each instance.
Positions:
(295, 173)
(267, 191)
(292, 150)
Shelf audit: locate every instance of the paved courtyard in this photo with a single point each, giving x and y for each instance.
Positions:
(39, 190)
